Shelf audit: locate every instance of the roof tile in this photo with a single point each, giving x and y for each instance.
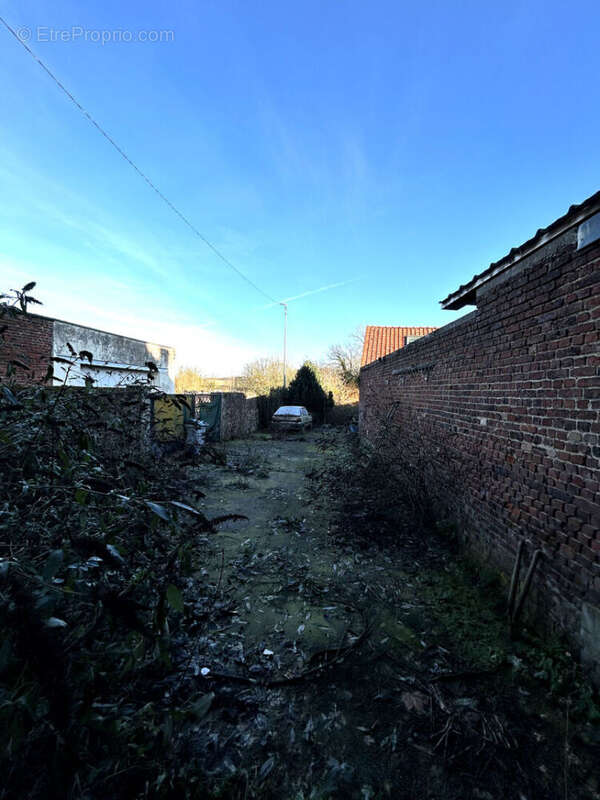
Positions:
(381, 340)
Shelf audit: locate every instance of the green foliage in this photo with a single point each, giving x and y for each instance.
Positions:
(306, 390)
(343, 414)
(385, 493)
(268, 405)
(98, 546)
(552, 664)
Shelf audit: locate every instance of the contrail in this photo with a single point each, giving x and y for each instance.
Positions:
(311, 291)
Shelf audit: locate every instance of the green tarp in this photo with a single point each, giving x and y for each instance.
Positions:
(208, 409)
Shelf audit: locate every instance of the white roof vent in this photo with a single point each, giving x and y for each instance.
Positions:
(588, 231)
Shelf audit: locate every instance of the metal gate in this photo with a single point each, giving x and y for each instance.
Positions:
(207, 407)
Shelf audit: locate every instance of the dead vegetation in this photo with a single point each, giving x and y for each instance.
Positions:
(168, 635)
(100, 547)
(394, 484)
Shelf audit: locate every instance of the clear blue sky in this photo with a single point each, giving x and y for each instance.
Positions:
(399, 146)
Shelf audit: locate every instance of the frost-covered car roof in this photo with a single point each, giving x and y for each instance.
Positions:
(295, 410)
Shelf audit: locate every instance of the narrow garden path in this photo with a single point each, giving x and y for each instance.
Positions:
(337, 669)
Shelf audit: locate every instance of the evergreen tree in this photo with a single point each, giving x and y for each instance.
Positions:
(305, 390)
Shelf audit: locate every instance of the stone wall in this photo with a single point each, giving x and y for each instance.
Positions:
(515, 387)
(239, 415)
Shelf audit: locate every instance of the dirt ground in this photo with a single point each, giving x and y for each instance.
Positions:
(340, 670)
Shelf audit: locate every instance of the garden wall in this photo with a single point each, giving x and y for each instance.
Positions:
(515, 387)
(239, 415)
(27, 339)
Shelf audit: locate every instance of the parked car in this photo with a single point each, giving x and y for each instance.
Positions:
(291, 418)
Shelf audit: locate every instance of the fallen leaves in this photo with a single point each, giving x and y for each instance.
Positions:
(415, 701)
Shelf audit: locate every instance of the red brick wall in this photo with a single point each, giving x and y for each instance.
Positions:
(517, 385)
(27, 338)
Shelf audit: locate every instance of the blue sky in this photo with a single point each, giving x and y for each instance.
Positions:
(398, 147)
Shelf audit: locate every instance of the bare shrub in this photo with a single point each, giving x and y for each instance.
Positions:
(408, 477)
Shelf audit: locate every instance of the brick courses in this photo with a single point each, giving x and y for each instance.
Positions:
(27, 338)
(517, 384)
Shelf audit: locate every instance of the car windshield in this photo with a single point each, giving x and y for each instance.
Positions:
(296, 411)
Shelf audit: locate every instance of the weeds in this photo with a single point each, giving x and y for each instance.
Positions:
(241, 483)
(248, 460)
(393, 486)
(388, 493)
(375, 494)
(137, 660)
(552, 664)
(99, 548)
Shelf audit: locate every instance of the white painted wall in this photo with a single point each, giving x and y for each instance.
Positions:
(117, 360)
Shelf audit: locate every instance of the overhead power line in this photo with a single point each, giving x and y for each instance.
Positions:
(131, 163)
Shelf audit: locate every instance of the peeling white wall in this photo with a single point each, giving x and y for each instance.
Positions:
(116, 360)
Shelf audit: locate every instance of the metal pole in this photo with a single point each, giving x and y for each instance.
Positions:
(284, 342)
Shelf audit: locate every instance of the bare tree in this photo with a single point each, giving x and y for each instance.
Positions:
(190, 379)
(264, 374)
(345, 358)
(331, 381)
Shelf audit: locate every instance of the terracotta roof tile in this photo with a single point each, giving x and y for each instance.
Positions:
(380, 340)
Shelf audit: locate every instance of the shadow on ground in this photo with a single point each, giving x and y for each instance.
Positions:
(339, 671)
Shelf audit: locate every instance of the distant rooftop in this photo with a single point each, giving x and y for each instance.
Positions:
(466, 294)
(381, 340)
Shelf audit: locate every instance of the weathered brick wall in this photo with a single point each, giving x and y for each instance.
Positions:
(27, 338)
(239, 415)
(516, 384)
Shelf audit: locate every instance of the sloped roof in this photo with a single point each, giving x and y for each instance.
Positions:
(465, 294)
(380, 340)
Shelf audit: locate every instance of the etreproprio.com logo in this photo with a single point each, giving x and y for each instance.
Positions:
(77, 33)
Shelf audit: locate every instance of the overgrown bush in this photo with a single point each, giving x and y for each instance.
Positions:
(99, 547)
(343, 415)
(268, 405)
(409, 478)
